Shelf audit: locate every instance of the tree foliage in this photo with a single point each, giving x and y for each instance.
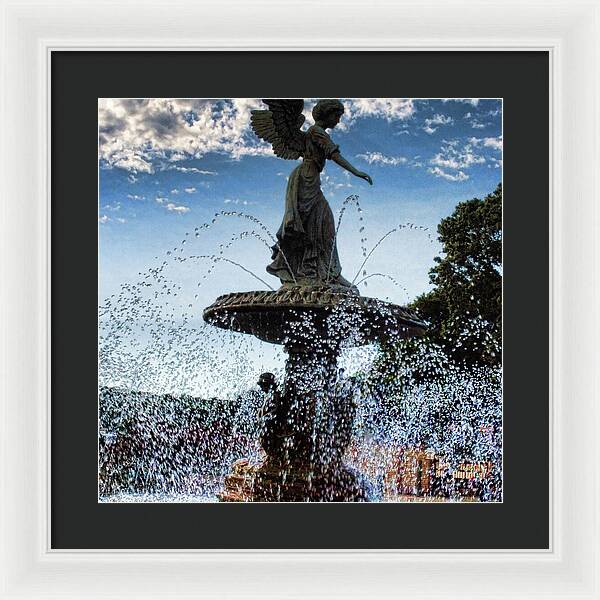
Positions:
(465, 307)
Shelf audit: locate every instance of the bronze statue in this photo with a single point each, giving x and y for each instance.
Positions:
(306, 252)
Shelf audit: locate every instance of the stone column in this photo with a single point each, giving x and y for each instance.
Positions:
(306, 438)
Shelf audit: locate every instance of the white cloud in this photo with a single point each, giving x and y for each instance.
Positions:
(190, 190)
(459, 176)
(475, 124)
(161, 200)
(191, 170)
(390, 109)
(175, 208)
(174, 191)
(135, 197)
(106, 219)
(378, 157)
(452, 157)
(489, 142)
(437, 119)
(238, 201)
(451, 142)
(131, 162)
(134, 133)
(471, 101)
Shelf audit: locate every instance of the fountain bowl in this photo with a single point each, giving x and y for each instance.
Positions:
(332, 311)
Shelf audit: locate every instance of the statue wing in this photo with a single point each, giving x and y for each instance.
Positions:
(280, 126)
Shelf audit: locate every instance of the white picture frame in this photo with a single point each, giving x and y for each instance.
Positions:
(568, 29)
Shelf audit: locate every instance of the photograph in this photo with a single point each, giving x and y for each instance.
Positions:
(300, 300)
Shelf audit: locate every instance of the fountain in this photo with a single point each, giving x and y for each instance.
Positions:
(351, 415)
(314, 314)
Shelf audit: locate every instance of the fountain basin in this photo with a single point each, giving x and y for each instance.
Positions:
(324, 311)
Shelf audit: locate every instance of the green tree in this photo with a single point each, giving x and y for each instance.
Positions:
(465, 307)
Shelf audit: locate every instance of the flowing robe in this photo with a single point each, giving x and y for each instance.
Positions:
(307, 251)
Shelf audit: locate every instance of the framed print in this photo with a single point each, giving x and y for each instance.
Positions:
(132, 410)
(393, 458)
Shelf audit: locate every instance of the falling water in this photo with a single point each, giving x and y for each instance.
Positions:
(352, 199)
(380, 241)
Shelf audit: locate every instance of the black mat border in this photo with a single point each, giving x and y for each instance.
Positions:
(79, 78)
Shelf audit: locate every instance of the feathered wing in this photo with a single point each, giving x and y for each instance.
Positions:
(280, 126)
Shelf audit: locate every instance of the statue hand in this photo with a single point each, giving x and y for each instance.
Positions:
(365, 177)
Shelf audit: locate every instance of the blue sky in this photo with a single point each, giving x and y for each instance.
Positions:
(167, 166)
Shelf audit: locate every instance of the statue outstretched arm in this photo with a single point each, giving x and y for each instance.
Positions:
(340, 160)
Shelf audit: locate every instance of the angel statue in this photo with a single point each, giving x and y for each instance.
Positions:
(306, 250)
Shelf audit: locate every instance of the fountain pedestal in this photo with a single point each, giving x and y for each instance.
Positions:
(305, 431)
(306, 427)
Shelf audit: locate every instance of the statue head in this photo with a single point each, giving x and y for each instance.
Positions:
(328, 112)
(266, 382)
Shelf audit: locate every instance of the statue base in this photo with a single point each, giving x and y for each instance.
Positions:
(261, 483)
